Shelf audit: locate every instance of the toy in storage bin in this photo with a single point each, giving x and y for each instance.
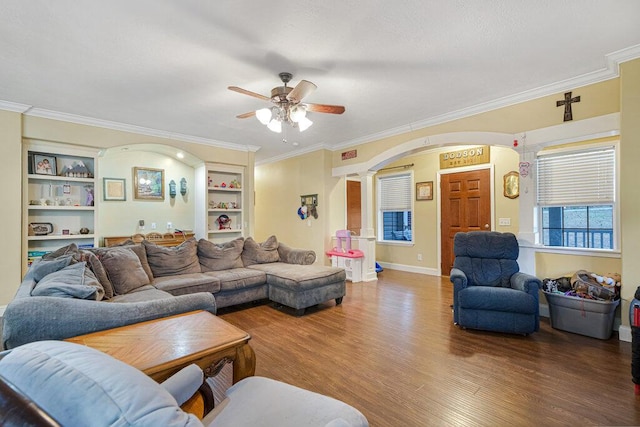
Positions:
(347, 258)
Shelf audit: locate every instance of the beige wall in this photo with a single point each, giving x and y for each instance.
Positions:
(629, 194)
(279, 186)
(118, 218)
(115, 220)
(597, 100)
(425, 223)
(11, 206)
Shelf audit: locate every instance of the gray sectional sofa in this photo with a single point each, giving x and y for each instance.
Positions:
(75, 291)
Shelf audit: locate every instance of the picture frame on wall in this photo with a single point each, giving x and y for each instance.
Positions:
(148, 183)
(424, 190)
(44, 164)
(114, 189)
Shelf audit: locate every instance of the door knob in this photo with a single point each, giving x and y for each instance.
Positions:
(486, 226)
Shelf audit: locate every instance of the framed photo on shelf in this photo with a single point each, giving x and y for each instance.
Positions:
(424, 190)
(44, 164)
(114, 189)
(148, 183)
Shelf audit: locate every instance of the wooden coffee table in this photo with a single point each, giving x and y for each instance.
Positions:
(162, 347)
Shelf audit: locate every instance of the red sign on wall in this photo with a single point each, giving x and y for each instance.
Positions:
(352, 154)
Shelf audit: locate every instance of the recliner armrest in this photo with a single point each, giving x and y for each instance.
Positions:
(525, 282)
(458, 278)
(185, 383)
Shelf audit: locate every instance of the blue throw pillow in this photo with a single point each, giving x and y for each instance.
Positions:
(74, 281)
(42, 268)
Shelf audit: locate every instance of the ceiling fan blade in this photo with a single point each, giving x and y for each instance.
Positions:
(324, 108)
(301, 90)
(248, 92)
(245, 115)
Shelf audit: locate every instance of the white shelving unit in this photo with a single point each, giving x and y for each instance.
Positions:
(60, 205)
(220, 191)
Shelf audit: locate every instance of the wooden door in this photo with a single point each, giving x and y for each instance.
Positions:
(466, 206)
(354, 218)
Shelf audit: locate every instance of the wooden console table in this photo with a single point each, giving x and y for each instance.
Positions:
(162, 347)
(162, 239)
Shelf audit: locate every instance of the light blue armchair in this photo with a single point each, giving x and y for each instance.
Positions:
(489, 291)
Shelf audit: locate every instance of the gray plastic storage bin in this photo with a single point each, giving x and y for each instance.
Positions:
(582, 316)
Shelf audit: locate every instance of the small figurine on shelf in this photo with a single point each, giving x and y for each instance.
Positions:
(90, 201)
(235, 184)
(223, 185)
(224, 222)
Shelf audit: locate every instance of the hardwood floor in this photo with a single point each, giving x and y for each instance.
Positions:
(392, 351)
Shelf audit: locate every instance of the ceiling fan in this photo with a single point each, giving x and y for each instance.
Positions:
(288, 106)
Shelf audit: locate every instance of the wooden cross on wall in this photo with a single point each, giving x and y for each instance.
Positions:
(568, 100)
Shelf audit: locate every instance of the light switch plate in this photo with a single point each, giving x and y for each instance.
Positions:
(504, 221)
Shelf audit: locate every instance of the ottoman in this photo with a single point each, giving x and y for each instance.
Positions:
(302, 286)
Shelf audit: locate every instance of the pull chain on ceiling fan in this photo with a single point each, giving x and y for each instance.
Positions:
(288, 106)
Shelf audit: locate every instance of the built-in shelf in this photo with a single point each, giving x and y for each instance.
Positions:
(62, 237)
(68, 203)
(61, 208)
(213, 201)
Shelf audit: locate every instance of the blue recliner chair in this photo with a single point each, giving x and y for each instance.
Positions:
(489, 291)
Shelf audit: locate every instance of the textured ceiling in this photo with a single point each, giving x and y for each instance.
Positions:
(165, 65)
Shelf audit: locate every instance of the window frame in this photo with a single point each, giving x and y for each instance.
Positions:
(538, 228)
(380, 216)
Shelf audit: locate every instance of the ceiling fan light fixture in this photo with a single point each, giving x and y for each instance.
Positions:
(304, 124)
(264, 115)
(297, 113)
(275, 126)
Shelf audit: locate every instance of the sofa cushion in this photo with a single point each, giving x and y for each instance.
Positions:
(216, 257)
(300, 277)
(137, 249)
(124, 269)
(259, 401)
(74, 281)
(41, 268)
(260, 253)
(88, 256)
(168, 261)
(238, 278)
(80, 386)
(142, 294)
(497, 299)
(181, 284)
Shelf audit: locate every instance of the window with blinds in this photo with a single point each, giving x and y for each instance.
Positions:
(576, 195)
(395, 197)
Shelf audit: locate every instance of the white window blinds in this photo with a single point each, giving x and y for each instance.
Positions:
(395, 193)
(577, 178)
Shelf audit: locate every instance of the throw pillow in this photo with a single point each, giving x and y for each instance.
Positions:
(260, 253)
(216, 257)
(124, 269)
(169, 261)
(43, 267)
(70, 249)
(74, 281)
(93, 262)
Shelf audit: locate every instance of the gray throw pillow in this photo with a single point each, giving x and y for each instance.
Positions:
(260, 253)
(74, 281)
(42, 268)
(216, 257)
(169, 261)
(124, 269)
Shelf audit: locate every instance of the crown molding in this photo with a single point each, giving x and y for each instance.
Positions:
(90, 121)
(295, 153)
(14, 106)
(612, 71)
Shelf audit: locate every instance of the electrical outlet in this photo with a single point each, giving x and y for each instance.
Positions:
(169, 225)
(419, 257)
(153, 225)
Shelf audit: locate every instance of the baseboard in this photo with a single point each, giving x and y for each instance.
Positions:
(410, 268)
(624, 333)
